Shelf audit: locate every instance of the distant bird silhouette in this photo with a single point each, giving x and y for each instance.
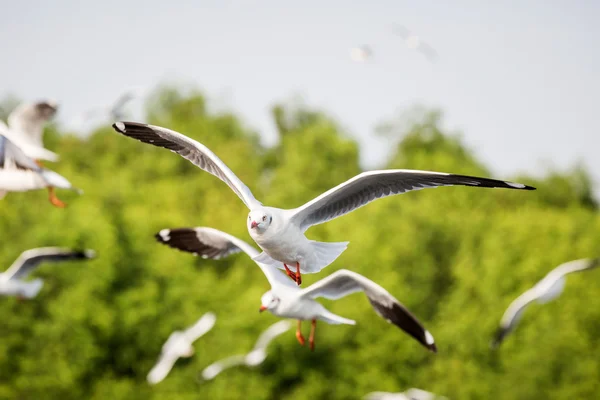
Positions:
(414, 42)
(410, 394)
(361, 53)
(550, 287)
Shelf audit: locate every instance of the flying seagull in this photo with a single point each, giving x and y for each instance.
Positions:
(280, 232)
(410, 394)
(11, 281)
(414, 42)
(286, 300)
(550, 287)
(252, 359)
(179, 344)
(19, 173)
(361, 53)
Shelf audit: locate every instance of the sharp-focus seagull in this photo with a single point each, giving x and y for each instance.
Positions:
(550, 287)
(11, 281)
(286, 300)
(280, 232)
(414, 42)
(410, 394)
(20, 173)
(361, 53)
(26, 128)
(179, 344)
(252, 359)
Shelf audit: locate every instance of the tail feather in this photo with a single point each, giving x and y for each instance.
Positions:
(333, 319)
(326, 253)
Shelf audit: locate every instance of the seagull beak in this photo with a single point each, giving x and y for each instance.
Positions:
(262, 308)
(253, 225)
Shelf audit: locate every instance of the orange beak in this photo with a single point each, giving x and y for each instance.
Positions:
(253, 225)
(262, 308)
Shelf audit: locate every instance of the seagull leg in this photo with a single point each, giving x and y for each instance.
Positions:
(298, 276)
(289, 273)
(53, 199)
(299, 333)
(311, 338)
(39, 163)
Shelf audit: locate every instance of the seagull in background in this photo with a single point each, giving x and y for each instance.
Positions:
(361, 53)
(410, 394)
(179, 344)
(414, 42)
(11, 281)
(114, 112)
(20, 173)
(287, 300)
(549, 288)
(252, 359)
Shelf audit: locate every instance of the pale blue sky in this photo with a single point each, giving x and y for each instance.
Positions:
(520, 79)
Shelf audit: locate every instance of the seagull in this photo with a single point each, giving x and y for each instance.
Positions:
(414, 42)
(361, 53)
(116, 111)
(252, 359)
(287, 300)
(19, 173)
(280, 232)
(11, 281)
(550, 287)
(179, 344)
(410, 394)
(27, 122)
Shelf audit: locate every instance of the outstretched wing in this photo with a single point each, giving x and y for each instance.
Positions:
(513, 315)
(198, 154)
(216, 368)
(30, 259)
(271, 333)
(202, 326)
(343, 282)
(372, 185)
(214, 243)
(162, 368)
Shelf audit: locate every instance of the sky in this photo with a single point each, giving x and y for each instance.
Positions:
(518, 79)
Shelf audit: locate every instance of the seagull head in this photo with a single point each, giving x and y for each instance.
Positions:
(259, 220)
(268, 302)
(46, 109)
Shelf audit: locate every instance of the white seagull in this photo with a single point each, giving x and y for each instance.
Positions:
(26, 128)
(361, 53)
(11, 281)
(280, 232)
(179, 344)
(414, 42)
(20, 173)
(410, 394)
(550, 287)
(252, 359)
(286, 300)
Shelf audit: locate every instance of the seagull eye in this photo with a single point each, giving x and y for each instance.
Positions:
(264, 217)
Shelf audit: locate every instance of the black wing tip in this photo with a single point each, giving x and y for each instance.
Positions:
(87, 254)
(124, 126)
(498, 338)
(165, 236)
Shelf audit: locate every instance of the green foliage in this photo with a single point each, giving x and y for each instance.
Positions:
(454, 256)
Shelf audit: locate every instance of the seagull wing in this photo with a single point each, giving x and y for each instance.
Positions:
(212, 242)
(271, 333)
(343, 282)
(216, 368)
(202, 326)
(372, 185)
(206, 242)
(191, 150)
(513, 315)
(30, 259)
(26, 146)
(162, 368)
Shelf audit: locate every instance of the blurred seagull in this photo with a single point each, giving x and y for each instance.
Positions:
(11, 281)
(19, 173)
(410, 394)
(179, 344)
(414, 42)
(280, 232)
(286, 300)
(252, 359)
(550, 287)
(361, 53)
(117, 110)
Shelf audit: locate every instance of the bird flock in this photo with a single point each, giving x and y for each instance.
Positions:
(284, 251)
